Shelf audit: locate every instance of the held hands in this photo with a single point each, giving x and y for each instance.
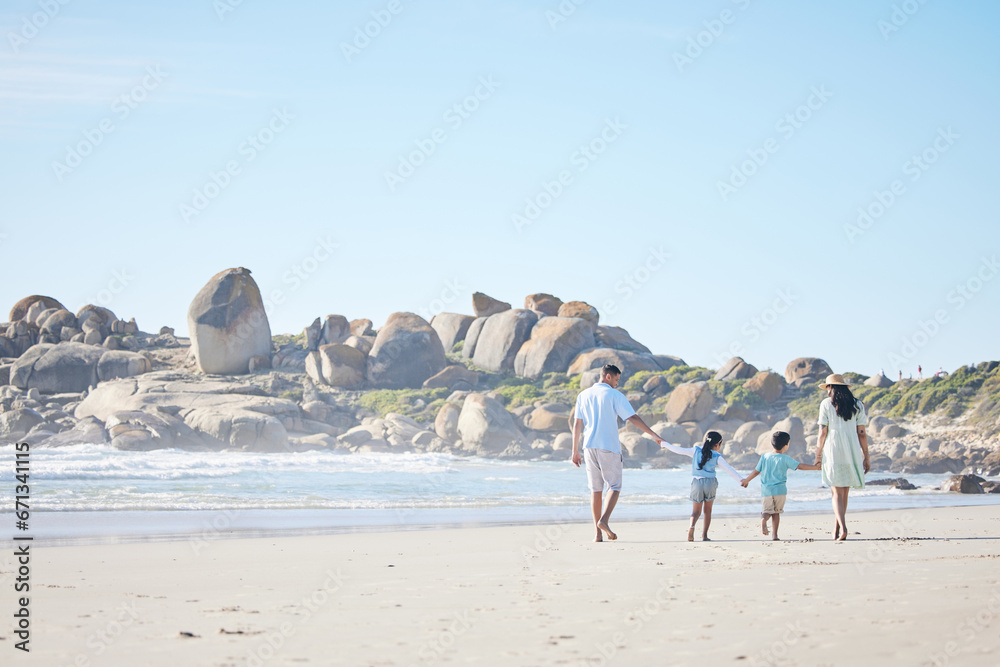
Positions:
(744, 482)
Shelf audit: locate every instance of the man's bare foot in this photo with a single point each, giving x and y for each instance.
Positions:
(691, 534)
(607, 531)
(705, 538)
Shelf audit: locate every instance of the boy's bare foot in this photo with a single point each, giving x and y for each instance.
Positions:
(691, 534)
(705, 538)
(607, 531)
(763, 526)
(775, 539)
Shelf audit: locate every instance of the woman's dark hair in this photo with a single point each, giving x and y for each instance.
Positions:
(712, 438)
(844, 402)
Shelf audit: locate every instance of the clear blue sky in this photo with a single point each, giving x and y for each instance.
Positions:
(678, 128)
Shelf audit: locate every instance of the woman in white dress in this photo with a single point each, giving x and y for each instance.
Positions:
(843, 446)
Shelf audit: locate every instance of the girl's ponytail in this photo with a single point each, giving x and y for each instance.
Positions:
(712, 438)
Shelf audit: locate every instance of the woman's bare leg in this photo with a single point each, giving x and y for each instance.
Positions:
(839, 512)
(845, 491)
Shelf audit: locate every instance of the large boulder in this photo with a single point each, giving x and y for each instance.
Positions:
(745, 439)
(228, 324)
(337, 365)
(546, 304)
(736, 369)
(580, 309)
(668, 361)
(769, 386)
(446, 422)
(484, 305)
(472, 337)
(879, 380)
(628, 362)
(963, 484)
(619, 339)
(502, 336)
(406, 352)
(336, 329)
(138, 430)
(451, 328)
(554, 343)
(551, 417)
(20, 309)
(72, 367)
(690, 402)
(485, 426)
(15, 424)
(804, 369)
(55, 322)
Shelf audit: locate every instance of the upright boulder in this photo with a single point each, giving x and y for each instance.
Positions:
(20, 309)
(580, 309)
(337, 365)
(228, 324)
(485, 426)
(554, 343)
(542, 303)
(690, 402)
(769, 386)
(451, 328)
(502, 336)
(336, 329)
(736, 369)
(484, 305)
(406, 352)
(472, 337)
(806, 369)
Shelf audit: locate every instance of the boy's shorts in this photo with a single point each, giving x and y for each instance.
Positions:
(603, 468)
(773, 504)
(703, 489)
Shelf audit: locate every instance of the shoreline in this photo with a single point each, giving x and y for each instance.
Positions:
(211, 525)
(533, 595)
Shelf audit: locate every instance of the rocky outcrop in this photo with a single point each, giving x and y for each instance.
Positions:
(806, 370)
(228, 324)
(963, 484)
(406, 352)
(215, 413)
(736, 369)
(484, 305)
(446, 422)
(451, 328)
(769, 386)
(501, 337)
(73, 367)
(20, 309)
(543, 304)
(554, 343)
(690, 402)
(879, 380)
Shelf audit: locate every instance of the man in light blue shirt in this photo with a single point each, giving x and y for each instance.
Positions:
(596, 416)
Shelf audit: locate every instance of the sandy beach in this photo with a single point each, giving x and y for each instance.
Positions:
(912, 587)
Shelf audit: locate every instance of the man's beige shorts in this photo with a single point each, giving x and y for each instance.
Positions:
(773, 505)
(603, 468)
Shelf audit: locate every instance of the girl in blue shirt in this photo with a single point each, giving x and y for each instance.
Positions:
(704, 460)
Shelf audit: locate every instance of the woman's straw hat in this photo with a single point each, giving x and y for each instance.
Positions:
(834, 378)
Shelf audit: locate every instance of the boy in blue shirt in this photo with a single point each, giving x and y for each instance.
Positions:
(773, 468)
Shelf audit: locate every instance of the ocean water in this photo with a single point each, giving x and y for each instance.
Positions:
(95, 491)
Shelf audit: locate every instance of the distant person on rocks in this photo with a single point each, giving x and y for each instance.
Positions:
(920, 372)
(843, 446)
(900, 376)
(596, 416)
